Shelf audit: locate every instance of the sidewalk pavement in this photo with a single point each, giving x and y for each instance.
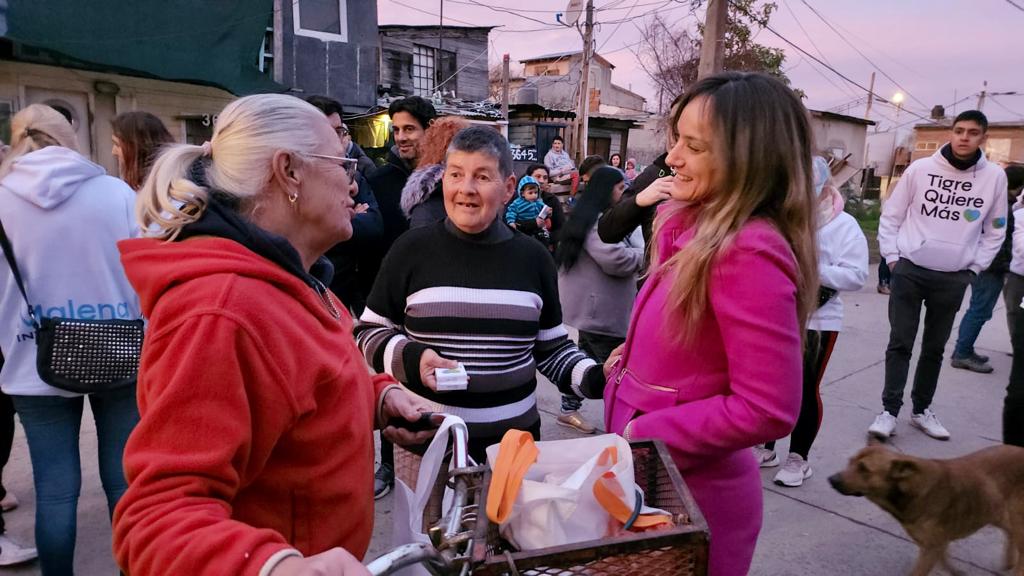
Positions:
(811, 530)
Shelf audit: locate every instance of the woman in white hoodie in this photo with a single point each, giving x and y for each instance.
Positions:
(842, 267)
(63, 216)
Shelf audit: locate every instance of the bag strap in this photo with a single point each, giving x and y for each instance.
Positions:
(516, 454)
(5, 243)
(609, 494)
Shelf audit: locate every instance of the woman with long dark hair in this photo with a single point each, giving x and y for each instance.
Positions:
(596, 280)
(137, 139)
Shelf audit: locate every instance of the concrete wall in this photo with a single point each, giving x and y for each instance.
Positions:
(841, 137)
(175, 103)
(556, 91)
(346, 71)
(1005, 143)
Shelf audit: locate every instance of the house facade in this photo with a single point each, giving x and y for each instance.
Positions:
(1005, 143)
(422, 60)
(550, 83)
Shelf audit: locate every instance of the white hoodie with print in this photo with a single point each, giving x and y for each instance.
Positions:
(64, 217)
(945, 219)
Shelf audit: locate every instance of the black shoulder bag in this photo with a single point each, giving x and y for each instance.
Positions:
(83, 356)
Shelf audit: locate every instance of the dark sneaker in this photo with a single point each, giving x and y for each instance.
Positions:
(383, 481)
(971, 363)
(980, 357)
(884, 289)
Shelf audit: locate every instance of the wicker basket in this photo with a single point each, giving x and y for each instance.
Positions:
(681, 551)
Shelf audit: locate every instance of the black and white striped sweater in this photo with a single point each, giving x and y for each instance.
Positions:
(489, 301)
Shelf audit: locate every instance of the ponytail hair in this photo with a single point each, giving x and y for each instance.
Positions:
(235, 162)
(35, 127)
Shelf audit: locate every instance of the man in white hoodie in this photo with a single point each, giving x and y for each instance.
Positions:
(943, 224)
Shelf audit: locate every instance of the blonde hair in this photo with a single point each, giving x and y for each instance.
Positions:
(246, 135)
(35, 127)
(764, 160)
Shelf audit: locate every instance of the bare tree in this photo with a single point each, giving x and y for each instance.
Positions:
(670, 54)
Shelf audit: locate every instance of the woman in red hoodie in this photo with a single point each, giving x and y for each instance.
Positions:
(254, 453)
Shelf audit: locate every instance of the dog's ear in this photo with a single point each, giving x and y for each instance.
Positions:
(900, 469)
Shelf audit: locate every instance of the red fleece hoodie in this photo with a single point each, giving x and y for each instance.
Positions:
(257, 416)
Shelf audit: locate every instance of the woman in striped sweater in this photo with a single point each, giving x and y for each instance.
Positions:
(472, 290)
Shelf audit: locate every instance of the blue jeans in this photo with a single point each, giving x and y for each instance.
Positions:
(985, 292)
(52, 425)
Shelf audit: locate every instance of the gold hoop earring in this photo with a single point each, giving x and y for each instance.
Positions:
(293, 197)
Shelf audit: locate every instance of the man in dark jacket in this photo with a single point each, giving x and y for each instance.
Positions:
(985, 289)
(367, 226)
(410, 118)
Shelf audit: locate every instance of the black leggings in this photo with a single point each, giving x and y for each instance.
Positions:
(1013, 405)
(816, 357)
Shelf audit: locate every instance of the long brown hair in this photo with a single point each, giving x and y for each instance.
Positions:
(141, 136)
(437, 138)
(763, 143)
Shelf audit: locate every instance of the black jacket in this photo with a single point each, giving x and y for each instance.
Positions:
(363, 162)
(367, 229)
(387, 182)
(1001, 263)
(620, 220)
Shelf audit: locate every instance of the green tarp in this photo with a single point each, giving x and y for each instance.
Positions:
(211, 42)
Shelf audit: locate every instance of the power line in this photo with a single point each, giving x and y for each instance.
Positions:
(830, 81)
(617, 26)
(816, 59)
(500, 9)
(1015, 5)
(857, 50)
(1000, 104)
(411, 7)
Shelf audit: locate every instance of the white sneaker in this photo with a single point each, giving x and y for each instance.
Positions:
(928, 423)
(794, 471)
(12, 553)
(765, 458)
(883, 426)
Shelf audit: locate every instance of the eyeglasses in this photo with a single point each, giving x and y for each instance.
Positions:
(341, 131)
(348, 164)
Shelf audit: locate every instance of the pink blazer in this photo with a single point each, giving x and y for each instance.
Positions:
(737, 384)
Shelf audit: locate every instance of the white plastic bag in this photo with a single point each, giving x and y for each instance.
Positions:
(576, 490)
(407, 511)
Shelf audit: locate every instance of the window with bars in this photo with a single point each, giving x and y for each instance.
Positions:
(431, 67)
(423, 70)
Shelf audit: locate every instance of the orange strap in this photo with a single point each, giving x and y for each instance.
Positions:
(516, 454)
(608, 493)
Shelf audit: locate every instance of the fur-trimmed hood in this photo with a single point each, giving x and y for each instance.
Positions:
(420, 185)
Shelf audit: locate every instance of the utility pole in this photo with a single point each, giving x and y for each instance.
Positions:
(504, 86)
(981, 97)
(712, 50)
(871, 97)
(583, 116)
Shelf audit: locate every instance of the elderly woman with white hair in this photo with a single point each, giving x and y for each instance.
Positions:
(254, 454)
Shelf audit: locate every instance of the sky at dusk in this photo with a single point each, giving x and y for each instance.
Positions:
(938, 51)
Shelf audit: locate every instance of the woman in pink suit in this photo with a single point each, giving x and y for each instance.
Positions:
(712, 362)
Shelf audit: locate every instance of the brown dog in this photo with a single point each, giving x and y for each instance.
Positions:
(938, 501)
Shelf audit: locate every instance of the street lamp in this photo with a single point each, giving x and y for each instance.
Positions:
(897, 99)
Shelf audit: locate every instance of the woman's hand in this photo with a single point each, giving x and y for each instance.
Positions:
(334, 562)
(401, 404)
(613, 359)
(660, 189)
(431, 361)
